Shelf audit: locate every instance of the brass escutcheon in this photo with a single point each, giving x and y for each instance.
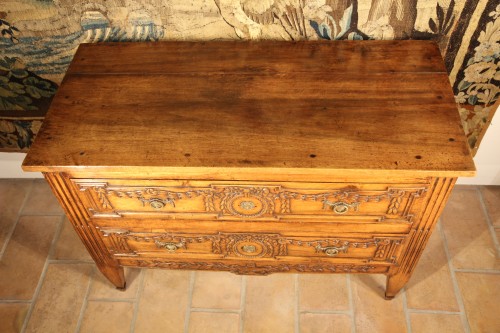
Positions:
(331, 251)
(157, 203)
(339, 207)
(169, 246)
(249, 248)
(247, 205)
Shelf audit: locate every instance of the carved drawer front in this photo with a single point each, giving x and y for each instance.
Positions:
(235, 201)
(262, 246)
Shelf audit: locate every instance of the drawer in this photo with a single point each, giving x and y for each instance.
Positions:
(252, 246)
(256, 201)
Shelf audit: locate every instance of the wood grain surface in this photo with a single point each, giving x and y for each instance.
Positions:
(311, 105)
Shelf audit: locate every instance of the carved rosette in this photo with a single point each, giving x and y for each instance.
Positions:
(253, 245)
(248, 202)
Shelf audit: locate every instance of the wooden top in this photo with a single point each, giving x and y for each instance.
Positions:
(321, 107)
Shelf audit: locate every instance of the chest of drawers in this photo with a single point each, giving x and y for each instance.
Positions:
(254, 157)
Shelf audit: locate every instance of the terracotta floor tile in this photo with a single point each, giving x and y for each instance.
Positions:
(216, 290)
(481, 296)
(465, 187)
(372, 312)
(101, 288)
(61, 297)
(164, 300)
(12, 316)
(25, 256)
(270, 304)
(323, 292)
(42, 201)
(325, 323)
(430, 322)
(491, 197)
(431, 286)
(107, 317)
(12, 195)
(69, 246)
(214, 322)
(467, 233)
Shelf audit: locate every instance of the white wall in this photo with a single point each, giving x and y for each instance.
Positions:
(10, 166)
(487, 160)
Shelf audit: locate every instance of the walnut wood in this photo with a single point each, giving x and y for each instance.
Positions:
(369, 108)
(419, 236)
(79, 217)
(255, 58)
(254, 158)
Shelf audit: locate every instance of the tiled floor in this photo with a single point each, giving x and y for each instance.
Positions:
(49, 284)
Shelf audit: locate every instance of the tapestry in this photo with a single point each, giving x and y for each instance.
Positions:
(39, 38)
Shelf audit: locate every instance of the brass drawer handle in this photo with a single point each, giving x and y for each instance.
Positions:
(331, 251)
(170, 246)
(339, 207)
(158, 203)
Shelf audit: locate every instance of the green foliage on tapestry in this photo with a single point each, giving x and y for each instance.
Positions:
(21, 89)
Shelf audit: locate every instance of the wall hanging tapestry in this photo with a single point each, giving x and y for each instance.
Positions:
(39, 38)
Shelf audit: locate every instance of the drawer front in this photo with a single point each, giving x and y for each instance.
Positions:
(252, 246)
(243, 201)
